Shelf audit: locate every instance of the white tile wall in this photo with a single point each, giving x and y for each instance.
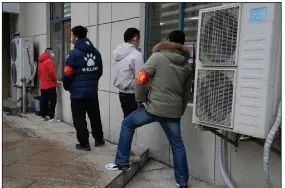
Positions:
(64, 105)
(93, 13)
(79, 18)
(247, 166)
(104, 48)
(104, 103)
(32, 13)
(92, 34)
(104, 13)
(116, 117)
(122, 11)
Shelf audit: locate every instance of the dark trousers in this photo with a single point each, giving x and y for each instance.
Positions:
(128, 103)
(48, 102)
(79, 107)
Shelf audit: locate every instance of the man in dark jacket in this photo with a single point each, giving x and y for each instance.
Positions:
(162, 100)
(82, 72)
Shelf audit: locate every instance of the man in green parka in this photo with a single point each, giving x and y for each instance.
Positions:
(162, 92)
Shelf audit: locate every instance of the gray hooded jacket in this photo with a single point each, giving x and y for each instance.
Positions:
(128, 63)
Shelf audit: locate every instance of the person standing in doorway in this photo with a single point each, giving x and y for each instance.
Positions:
(162, 91)
(128, 62)
(82, 72)
(48, 81)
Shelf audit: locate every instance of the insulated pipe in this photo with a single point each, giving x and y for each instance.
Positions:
(222, 168)
(24, 95)
(267, 146)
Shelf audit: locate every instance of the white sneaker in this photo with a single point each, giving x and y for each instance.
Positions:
(54, 120)
(45, 119)
(113, 167)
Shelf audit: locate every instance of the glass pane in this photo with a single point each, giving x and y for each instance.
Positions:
(67, 9)
(163, 18)
(191, 18)
(56, 11)
(67, 36)
(56, 45)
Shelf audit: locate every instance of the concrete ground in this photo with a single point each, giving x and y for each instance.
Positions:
(39, 163)
(157, 175)
(43, 155)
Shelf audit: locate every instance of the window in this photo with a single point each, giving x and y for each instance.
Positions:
(60, 33)
(162, 18)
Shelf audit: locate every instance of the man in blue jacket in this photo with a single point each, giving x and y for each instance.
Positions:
(82, 72)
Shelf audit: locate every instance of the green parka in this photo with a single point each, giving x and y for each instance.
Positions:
(166, 82)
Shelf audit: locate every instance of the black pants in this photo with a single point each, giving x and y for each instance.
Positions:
(48, 102)
(128, 103)
(79, 107)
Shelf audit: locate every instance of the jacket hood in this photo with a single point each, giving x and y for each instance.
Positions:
(176, 53)
(123, 50)
(84, 45)
(43, 57)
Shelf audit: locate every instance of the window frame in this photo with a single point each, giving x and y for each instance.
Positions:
(60, 21)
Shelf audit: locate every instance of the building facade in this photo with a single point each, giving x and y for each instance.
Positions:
(49, 24)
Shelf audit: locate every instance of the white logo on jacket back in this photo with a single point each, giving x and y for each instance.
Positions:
(90, 61)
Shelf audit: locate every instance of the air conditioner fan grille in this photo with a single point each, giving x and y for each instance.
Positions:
(214, 96)
(218, 37)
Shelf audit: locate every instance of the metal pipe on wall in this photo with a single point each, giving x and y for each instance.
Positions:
(24, 95)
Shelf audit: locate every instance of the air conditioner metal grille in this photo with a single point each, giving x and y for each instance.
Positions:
(14, 73)
(13, 51)
(214, 96)
(218, 37)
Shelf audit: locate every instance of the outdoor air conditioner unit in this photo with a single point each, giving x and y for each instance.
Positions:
(22, 61)
(238, 68)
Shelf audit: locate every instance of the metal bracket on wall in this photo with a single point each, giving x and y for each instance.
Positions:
(229, 140)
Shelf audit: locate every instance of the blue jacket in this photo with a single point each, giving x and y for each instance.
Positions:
(82, 71)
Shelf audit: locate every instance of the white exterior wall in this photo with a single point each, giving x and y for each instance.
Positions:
(106, 27)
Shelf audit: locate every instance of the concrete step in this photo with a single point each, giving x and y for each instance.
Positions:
(64, 134)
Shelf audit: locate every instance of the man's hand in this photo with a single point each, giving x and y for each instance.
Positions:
(143, 104)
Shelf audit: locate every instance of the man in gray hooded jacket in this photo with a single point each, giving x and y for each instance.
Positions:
(128, 63)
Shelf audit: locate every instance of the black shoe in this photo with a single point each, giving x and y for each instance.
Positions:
(84, 148)
(99, 143)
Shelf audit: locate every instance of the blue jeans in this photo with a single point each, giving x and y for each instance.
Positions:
(172, 129)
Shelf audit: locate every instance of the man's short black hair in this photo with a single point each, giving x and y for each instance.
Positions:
(47, 50)
(177, 37)
(79, 31)
(130, 33)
